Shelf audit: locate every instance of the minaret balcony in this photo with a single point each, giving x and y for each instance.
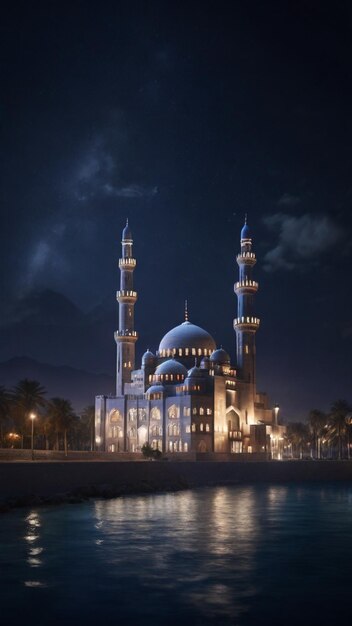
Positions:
(246, 286)
(127, 264)
(126, 296)
(246, 258)
(126, 335)
(249, 324)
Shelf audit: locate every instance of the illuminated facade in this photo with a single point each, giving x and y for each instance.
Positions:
(187, 396)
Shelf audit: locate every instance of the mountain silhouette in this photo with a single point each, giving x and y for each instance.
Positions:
(78, 386)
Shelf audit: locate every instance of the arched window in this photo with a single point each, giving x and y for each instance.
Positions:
(142, 414)
(174, 429)
(115, 415)
(201, 411)
(201, 427)
(233, 420)
(132, 415)
(185, 447)
(173, 411)
(155, 413)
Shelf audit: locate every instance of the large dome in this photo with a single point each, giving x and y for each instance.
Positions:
(189, 336)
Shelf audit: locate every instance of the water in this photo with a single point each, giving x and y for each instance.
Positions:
(235, 555)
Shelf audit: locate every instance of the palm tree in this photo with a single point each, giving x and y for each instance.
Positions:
(337, 424)
(298, 436)
(28, 396)
(317, 420)
(4, 409)
(87, 424)
(62, 416)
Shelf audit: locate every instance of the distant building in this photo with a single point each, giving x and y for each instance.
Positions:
(187, 396)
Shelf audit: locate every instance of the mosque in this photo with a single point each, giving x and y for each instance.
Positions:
(188, 397)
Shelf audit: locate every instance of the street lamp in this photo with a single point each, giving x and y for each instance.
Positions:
(32, 417)
(276, 412)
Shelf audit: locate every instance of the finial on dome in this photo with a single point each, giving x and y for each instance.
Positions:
(186, 311)
(245, 218)
(126, 233)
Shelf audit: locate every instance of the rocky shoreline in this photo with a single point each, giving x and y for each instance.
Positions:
(43, 484)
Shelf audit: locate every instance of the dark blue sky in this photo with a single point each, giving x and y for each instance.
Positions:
(182, 118)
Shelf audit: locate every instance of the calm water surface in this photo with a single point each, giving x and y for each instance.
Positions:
(235, 555)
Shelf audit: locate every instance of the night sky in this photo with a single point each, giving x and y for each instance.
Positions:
(182, 117)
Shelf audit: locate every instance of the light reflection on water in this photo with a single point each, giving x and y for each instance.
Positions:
(226, 555)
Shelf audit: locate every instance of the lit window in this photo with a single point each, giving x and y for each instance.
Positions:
(208, 411)
(193, 351)
(199, 351)
(207, 427)
(201, 427)
(201, 411)
(193, 428)
(180, 352)
(188, 429)
(194, 411)
(186, 351)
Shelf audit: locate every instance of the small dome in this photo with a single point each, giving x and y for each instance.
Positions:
(171, 367)
(155, 388)
(194, 372)
(245, 232)
(126, 233)
(187, 335)
(148, 358)
(205, 363)
(220, 356)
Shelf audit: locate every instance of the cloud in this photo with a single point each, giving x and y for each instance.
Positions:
(288, 200)
(99, 173)
(130, 191)
(300, 240)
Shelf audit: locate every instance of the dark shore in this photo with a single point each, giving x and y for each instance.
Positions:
(55, 482)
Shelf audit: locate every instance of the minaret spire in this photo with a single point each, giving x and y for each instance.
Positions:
(246, 324)
(126, 336)
(186, 311)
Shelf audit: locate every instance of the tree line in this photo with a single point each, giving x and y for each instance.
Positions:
(56, 425)
(324, 435)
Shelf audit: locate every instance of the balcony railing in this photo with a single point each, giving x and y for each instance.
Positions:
(126, 294)
(245, 320)
(128, 262)
(126, 333)
(246, 257)
(250, 284)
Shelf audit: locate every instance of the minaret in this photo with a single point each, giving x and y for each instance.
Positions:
(246, 324)
(126, 336)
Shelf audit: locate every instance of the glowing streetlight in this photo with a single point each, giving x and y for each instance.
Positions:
(32, 417)
(276, 412)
